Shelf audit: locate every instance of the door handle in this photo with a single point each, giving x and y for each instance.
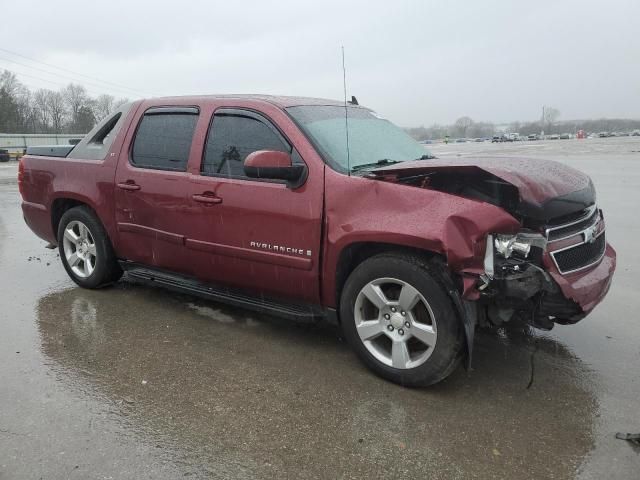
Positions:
(131, 186)
(207, 198)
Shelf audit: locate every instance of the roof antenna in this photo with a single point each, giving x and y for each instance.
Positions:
(346, 115)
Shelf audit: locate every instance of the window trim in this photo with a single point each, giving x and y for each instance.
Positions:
(255, 115)
(160, 110)
(105, 130)
(88, 149)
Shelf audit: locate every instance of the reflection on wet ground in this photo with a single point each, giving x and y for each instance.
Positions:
(136, 382)
(232, 394)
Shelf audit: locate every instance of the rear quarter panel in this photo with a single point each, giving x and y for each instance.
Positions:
(47, 179)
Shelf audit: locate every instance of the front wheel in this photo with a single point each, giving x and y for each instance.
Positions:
(85, 249)
(400, 320)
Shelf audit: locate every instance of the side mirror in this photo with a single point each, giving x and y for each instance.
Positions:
(272, 165)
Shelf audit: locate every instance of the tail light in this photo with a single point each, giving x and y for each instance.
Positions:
(21, 177)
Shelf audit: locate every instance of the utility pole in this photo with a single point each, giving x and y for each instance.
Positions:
(542, 123)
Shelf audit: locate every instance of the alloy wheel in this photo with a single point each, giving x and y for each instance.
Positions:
(79, 249)
(395, 323)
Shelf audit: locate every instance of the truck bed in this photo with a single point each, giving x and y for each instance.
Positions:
(50, 150)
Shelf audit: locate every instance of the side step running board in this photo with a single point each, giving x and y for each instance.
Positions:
(305, 313)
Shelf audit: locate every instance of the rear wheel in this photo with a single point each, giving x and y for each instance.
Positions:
(400, 320)
(85, 249)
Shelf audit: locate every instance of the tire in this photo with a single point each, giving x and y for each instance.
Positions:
(85, 250)
(377, 329)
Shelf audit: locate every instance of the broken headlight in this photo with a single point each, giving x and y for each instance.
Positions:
(506, 245)
(519, 244)
(508, 252)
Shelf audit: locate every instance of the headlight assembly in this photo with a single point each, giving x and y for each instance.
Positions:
(506, 245)
(508, 251)
(519, 244)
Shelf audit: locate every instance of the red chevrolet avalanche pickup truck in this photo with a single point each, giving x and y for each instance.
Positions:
(267, 203)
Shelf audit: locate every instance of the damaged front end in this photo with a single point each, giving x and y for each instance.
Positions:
(557, 276)
(557, 267)
(515, 285)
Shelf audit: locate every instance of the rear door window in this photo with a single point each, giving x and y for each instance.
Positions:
(164, 137)
(232, 137)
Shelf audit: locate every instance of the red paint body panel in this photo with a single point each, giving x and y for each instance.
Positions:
(271, 239)
(359, 209)
(265, 158)
(588, 287)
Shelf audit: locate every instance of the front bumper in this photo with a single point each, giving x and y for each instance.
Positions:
(587, 288)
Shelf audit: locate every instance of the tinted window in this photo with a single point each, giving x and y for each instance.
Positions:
(163, 141)
(233, 137)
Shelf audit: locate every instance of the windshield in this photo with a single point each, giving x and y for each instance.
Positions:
(372, 140)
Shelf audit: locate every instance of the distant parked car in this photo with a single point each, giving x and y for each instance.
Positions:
(461, 140)
(479, 140)
(4, 155)
(565, 136)
(501, 138)
(515, 137)
(532, 137)
(555, 136)
(603, 135)
(635, 133)
(426, 142)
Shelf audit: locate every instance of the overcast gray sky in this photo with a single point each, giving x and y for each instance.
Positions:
(416, 62)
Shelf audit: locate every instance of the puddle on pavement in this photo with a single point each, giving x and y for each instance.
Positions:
(232, 392)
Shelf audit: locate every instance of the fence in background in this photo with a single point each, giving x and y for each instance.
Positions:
(17, 143)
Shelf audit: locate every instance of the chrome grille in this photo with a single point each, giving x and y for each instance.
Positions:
(558, 232)
(580, 256)
(584, 254)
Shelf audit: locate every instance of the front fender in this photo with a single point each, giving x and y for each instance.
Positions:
(365, 210)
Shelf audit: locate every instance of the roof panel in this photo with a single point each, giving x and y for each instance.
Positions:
(279, 100)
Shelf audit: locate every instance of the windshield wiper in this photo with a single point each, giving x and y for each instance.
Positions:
(379, 163)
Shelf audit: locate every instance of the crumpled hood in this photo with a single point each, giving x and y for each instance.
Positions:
(545, 189)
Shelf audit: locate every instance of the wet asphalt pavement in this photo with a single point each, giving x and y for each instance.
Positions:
(136, 382)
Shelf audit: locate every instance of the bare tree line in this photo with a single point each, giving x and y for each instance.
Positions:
(464, 127)
(72, 110)
(67, 110)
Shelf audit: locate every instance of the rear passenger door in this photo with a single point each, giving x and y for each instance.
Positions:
(150, 187)
(258, 235)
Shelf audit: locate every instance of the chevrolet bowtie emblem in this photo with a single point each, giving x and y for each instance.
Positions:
(590, 234)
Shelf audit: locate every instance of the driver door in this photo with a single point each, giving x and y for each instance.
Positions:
(253, 234)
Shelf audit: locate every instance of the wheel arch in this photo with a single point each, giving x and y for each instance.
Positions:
(355, 253)
(63, 203)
